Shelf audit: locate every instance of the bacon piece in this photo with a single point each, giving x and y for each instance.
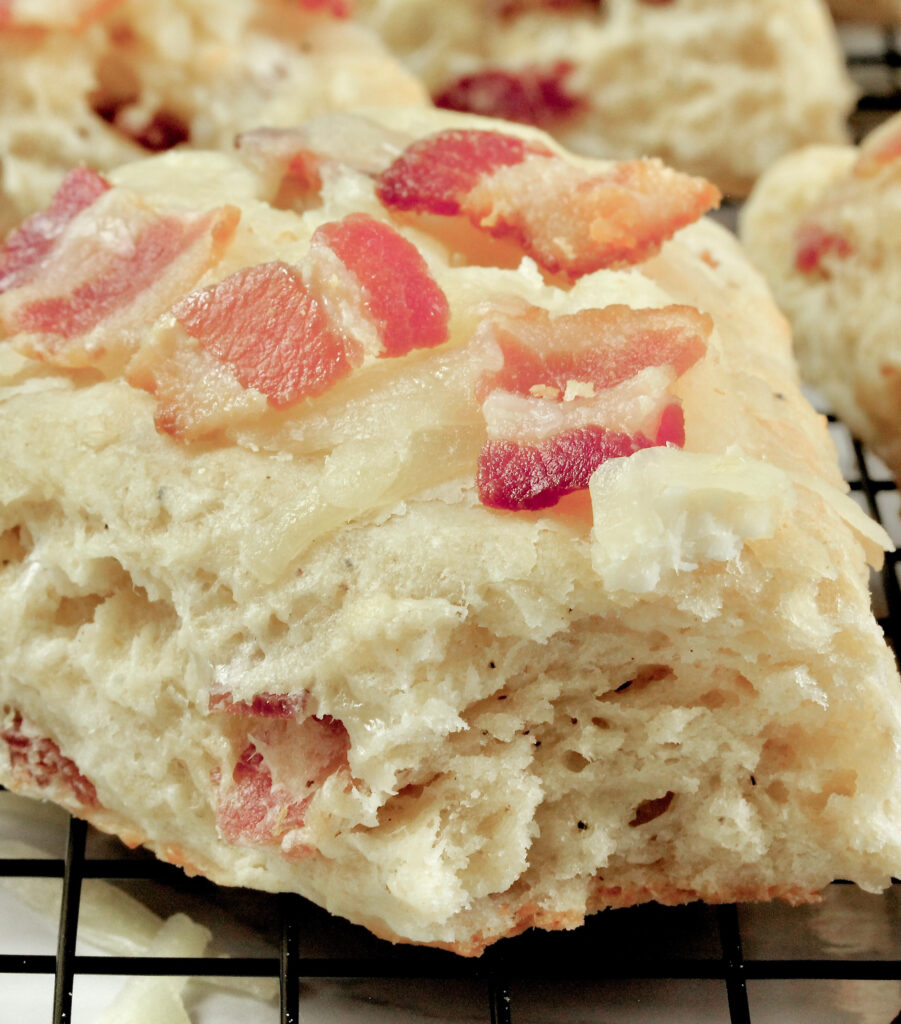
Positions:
(530, 477)
(268, 331)
(409, 309)
(671, 429)
(261, 705)
(256, 807)
(196, 393)
(28, 245)
(529, 95)
(255, 811)
(263, 322)
(103, 282)
(337, 8)
(126, 276)
(602, 347)
(814, 243)
(568, 218)
(577, 390)
(162, 131)
(436, 174)
(38, 760)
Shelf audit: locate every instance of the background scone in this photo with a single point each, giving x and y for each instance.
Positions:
(101, 84)
(719, 89)
(402, 512)
(824, 225)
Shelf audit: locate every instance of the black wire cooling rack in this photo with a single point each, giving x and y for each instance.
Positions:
(840, 961)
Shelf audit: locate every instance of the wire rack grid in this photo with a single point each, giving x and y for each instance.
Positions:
(699, 963)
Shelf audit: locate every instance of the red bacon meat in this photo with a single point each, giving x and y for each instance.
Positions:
(531, 95)
(83, 278)
(274, 335)
(39, 760)
(288, 332)
(568, 218)
(814, 244)
(255, 807)
(27, 246)
(336, 8)
(408, 308)
(566, 401)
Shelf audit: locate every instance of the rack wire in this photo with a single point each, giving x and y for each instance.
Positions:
(622, 965)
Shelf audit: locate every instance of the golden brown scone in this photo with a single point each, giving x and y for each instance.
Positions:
(718, 89)
(103, 83)
(405, 513)
(824, 225)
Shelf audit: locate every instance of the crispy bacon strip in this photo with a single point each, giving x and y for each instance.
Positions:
(573, 393)
(86, 298)
(603, 347)
(27, 246)
(536, 476)
(436, 174)
(364, 292)
(409, 309)
(275, 336)
(127, 275)
(569, 219)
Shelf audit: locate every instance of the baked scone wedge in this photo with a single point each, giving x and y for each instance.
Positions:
(718, 89)
(104, 83)
(824, 225)
(405, 513)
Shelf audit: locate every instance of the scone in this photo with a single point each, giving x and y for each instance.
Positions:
(718, 89)
(824, 225)
(101, 84)
(400, 511)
